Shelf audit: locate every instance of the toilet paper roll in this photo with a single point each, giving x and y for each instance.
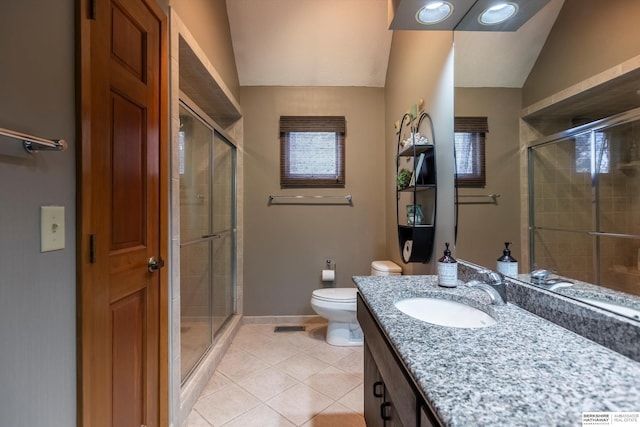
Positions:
(328, 275)
(408, 246)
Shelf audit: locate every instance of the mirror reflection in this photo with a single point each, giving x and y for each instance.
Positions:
(568, 198)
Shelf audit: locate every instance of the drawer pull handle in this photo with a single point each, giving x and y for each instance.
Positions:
(377, 393)
(383, 411)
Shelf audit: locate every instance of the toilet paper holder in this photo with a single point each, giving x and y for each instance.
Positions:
(328, 272)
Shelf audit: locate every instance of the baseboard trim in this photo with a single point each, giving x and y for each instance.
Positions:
(287, 320)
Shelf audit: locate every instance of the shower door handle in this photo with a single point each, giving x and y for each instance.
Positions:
(210, 236)
(155, 264)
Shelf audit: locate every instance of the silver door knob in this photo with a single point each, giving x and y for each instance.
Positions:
(155, 264)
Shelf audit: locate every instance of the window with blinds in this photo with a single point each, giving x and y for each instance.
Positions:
(469, 148)
(312, 151)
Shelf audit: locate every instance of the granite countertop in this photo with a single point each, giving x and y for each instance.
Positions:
(582, 290)
(522, 371)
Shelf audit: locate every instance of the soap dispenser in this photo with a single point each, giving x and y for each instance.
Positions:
(507, 264)
(447, 270)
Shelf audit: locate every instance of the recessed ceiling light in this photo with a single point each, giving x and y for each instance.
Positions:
(498, 13)
(434, 12)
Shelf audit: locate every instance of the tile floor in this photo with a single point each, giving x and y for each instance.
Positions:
(283, 379)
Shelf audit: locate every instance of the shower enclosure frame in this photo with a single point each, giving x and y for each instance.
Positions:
(592, 128)
(216, 133)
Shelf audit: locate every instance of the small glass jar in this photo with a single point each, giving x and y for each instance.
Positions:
(414, 214)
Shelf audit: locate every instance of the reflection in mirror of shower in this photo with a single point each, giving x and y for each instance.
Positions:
(585, 205)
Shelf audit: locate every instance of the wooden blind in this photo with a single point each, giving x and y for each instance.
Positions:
(319, 152)
(470, 151)
(312, 124)
(471, 124)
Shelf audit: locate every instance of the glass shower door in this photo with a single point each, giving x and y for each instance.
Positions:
(223, 243)
(585, 204)
(207, 236)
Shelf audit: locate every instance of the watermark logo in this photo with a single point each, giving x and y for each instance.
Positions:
(620, 419)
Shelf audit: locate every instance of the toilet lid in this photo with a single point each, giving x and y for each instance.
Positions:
(386, 266)
(336, 294)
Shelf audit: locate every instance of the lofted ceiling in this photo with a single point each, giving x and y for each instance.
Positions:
(347, 43)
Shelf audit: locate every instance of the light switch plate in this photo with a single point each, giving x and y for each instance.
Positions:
(52, 228)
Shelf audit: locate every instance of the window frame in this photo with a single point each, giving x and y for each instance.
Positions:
(476, 128)
(330, 124)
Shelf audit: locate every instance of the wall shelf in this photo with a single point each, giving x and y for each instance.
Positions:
(416, 202)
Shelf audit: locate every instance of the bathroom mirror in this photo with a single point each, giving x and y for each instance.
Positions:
(475, 55)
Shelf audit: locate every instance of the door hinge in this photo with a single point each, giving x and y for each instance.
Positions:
(92, 248)
(92, 9)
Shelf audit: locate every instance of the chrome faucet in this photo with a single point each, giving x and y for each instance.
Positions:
(493, 283)
(541, 278)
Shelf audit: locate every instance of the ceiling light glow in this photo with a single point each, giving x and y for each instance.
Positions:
(498, 13)
(434, 12)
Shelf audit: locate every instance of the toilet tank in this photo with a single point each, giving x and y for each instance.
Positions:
(385, 268)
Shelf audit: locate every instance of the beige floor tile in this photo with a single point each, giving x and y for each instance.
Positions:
(354, 399)
(216, 382)
(312, 337)
(333, 382)
(330, 353)
(273, 352)
(259, 382)
(261, 328)
(317, 331)
(195, 420)
(301, 366)
(225, 404)
(353, 363)
(267, 383)
(234, 348)
(260, 416)
(300, 403)
(337, 415)
(240, 364)
(249, 340)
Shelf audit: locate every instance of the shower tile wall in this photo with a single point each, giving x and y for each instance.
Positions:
(619, 203)
(195, 203)
(195, 258)
(223, 221)
(564, 200)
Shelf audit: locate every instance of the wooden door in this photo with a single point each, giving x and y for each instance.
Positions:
(123, 215)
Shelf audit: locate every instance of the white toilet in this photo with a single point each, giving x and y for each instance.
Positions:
(338, 306)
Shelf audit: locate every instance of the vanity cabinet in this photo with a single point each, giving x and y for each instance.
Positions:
(416, 187)
(391, 397)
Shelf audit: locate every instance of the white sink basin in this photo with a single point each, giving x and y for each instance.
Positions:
(445, 312)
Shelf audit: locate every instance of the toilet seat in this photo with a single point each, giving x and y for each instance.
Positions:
(336, 295)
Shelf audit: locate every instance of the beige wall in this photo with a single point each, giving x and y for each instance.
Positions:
(421, 66)
(483, 228)
(208, 23)
(588, 37)
(285, 246)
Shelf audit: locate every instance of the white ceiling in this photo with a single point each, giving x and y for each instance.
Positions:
(487, 59)
(347, 43)
(310, 42)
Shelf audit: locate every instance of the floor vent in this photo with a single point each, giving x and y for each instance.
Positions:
(289, 329)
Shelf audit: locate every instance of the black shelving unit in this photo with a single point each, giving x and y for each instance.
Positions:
(416, 231)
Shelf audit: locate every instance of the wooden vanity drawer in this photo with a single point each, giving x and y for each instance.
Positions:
(395, 381)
